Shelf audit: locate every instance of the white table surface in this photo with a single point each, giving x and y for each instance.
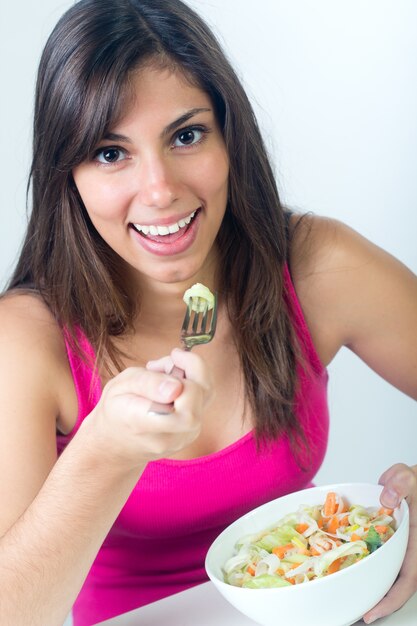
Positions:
(205, 606)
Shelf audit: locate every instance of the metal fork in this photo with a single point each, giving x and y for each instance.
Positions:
(198, 327)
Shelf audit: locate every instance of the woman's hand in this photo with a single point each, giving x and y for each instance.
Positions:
(399, 481)
(121, 426)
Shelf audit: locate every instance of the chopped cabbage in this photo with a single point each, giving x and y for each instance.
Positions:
(308, 544)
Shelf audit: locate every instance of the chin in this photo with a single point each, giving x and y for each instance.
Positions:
(173, 275)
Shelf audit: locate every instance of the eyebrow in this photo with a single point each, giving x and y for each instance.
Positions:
(183, 119)
(167, 130)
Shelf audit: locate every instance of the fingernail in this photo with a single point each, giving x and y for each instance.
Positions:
(389, 498)
(370, 618)
(167, 387)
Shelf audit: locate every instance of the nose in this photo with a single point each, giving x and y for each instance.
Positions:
(156, 183)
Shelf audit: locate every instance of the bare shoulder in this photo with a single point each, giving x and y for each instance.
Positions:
(329, 258)
(27, 325)
(33, 351)
(321, 244)
(355, 294)
(34, 378)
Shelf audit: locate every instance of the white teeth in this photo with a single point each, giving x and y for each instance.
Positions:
(165, 230)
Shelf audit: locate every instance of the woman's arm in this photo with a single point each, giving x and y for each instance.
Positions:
(55, 514)
(356, 295)
(46, 554)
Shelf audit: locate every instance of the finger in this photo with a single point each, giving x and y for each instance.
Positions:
(399, 482)
(138, 390)
(191, 363)
(189, 406)
(397, 596)
(392, 471)
(134, 412)
(194, 367)
(165, 364)
(138, 381)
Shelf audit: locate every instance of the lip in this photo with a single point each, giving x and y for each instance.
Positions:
(167, 247)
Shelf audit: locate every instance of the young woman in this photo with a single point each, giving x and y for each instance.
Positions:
(149, 174)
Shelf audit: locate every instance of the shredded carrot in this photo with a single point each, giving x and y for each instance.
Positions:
(344, 521)
(335, 566)
(314, 551)
(381, 529)
(384, 511)
(330, 505)
(280, 551)
(333, 524)
(301, 528)
(355, 537)
(320, 522)
(280, 571)
(250, 570)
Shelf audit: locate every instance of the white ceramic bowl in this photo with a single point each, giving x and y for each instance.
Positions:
(339, 599)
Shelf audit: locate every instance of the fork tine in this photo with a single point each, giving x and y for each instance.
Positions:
(187, 316)
(201, 309)
(204, 320)
(214, 317)
(196, 315)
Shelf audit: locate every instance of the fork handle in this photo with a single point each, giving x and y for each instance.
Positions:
(157, 408)
(177, 372)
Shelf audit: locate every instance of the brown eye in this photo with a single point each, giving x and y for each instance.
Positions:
(187, 137)
(109, 155)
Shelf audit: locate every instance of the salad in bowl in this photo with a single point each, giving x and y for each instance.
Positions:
(322, 556)
(314, 541)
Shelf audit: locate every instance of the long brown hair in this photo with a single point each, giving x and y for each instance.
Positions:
(80, 93)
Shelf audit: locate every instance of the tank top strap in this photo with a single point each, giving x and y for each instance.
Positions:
(299, 322)
(86, 381)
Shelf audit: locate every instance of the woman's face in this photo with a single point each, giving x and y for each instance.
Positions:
(156, 186)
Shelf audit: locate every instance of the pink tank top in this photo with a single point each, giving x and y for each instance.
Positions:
(159, 541)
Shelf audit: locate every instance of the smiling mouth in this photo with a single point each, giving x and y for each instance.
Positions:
(168, 233)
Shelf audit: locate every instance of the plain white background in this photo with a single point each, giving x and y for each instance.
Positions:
(333, 83)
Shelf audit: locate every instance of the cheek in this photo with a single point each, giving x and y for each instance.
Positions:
(103, 199)
(212, 175)
(221, 184)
